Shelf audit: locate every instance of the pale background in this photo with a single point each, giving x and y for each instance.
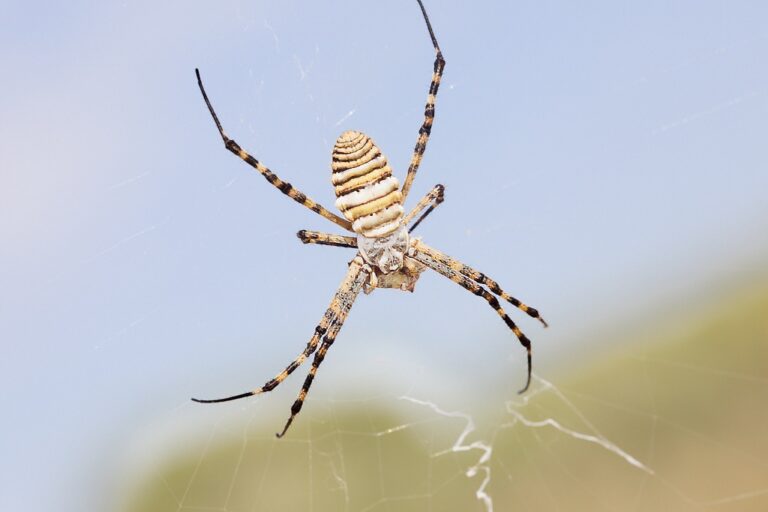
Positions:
(601, 161)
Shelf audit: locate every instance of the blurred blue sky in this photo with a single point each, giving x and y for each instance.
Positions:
(598, 158)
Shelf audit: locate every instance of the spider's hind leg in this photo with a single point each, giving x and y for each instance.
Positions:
(283, 186)
(429, 109)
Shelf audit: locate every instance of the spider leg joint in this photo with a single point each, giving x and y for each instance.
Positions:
(371, 283)
(414, 242)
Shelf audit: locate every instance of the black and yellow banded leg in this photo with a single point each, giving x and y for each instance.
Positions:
(481, 278)
(429, 110)
(284, 187)
(316, 237)
(299, 403)
(328, 340)
(432, 199)
(465, 282)
(335, 313)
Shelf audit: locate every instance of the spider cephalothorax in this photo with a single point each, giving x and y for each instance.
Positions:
(371, 199)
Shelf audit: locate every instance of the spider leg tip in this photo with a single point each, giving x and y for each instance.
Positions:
(204, 401)
(280, 435)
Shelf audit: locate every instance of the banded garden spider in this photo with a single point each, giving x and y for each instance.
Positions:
(387, 256)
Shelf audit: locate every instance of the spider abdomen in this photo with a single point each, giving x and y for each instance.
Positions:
(367, 193)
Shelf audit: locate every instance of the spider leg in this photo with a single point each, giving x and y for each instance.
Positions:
(432, 199)
(316, 237)
(318, 359)
(429, 110)
(479, 277)
(358, 277)
(465, 282)
(284, 187)
(336, 313)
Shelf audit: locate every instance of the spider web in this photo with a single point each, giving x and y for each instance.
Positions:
(615, 185)
(384, 433)
(555, 447)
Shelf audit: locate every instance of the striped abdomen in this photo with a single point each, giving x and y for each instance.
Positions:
(368, 195)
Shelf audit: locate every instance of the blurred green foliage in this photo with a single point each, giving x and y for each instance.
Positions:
(688, 401)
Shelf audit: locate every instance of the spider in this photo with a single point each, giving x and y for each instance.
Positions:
(371, 200)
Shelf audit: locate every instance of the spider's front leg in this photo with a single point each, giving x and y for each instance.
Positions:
(469, 279)
(357, 276)
(326, 330)
(478, 277)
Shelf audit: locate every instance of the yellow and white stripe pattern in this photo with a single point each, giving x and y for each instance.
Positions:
(367, 193)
